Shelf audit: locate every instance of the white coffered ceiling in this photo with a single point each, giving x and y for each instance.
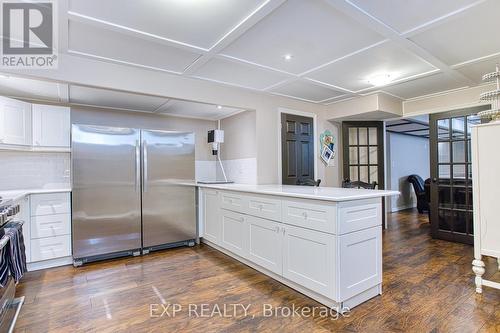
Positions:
(321, 51)
(75, 95)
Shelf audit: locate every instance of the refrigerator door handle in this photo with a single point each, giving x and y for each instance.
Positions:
(137, 165)
(144, 165)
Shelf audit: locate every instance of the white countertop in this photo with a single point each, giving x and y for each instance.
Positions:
(306, 192)
(16, 195)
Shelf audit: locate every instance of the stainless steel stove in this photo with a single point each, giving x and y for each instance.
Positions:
(9, 305)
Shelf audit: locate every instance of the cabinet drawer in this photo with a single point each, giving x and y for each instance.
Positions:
(232, 201)
(359, 215)
(50, 248)
(50, 225)
(304, 213)
(49, 204)
(265, 207)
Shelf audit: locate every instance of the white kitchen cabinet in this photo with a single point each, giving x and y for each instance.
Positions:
(50, 226)
(15, 122)
(309, 259)
(211, 215)
(328, 250)
(360, 262)
(265, 243)
(51, 126)
(233, 236)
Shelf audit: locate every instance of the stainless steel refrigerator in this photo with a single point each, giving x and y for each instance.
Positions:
(128, 192)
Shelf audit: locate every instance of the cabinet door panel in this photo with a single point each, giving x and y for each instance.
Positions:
(51, 126)
(265, 243)
(309, 259)
(50, 225)
(234, 232)
(360, 261)
(212, 219)
(15, 122)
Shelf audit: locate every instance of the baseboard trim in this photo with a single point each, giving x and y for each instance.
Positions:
(38, 265)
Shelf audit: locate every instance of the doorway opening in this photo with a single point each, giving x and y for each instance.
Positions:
(297, 148)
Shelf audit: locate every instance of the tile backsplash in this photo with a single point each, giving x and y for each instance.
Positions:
(22, 170)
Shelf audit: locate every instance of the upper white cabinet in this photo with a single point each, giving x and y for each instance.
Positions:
(51, 126)
(15, 122)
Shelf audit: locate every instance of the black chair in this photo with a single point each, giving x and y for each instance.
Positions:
(422, 196)
(359, 184)
(308, 182)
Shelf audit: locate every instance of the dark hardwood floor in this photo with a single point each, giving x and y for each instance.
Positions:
(428, 287)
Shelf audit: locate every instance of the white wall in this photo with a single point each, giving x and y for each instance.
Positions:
(28, 170)
(406, 155)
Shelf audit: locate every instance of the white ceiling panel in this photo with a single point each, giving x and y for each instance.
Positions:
(356, 72)
(475, 71)
(113, 45)
(30, 89)
(424, 86)
(197, 110)
(196, 22)
(409, 14)
(114, 99)
(240, 74)
(311, 31)
(306, 90)
(467, 36)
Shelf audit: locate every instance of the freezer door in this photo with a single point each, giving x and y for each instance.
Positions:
(168, 208)
(106, 202)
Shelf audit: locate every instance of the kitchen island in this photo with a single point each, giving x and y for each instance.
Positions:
(324, 242)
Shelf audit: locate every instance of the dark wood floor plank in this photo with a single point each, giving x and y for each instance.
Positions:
(427, 287)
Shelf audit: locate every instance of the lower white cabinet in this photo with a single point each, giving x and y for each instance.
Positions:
(309, 259)
(265, 243)
(212, 226)
(49, 226)
(233, 236)
(361, 261)
(303, 246)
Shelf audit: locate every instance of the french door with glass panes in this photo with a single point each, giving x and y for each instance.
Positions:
(451, 174)
(363, 143)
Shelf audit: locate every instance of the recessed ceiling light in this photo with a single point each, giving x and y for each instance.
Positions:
(380, 79)
(288, 57)
(219, 107)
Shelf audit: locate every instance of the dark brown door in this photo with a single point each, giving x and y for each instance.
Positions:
(363, 151)
(297, 148)
(451, 174)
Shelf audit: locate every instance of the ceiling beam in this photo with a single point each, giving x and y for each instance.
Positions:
(248, 22)
(371, 22)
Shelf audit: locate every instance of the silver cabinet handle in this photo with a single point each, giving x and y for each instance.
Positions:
(144, 165)
(137, 165)
(284, 231)
(277, 229)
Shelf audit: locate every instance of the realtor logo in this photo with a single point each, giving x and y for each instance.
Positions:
(29, 34)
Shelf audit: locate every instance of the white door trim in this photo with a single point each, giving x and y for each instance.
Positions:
(315, 138)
